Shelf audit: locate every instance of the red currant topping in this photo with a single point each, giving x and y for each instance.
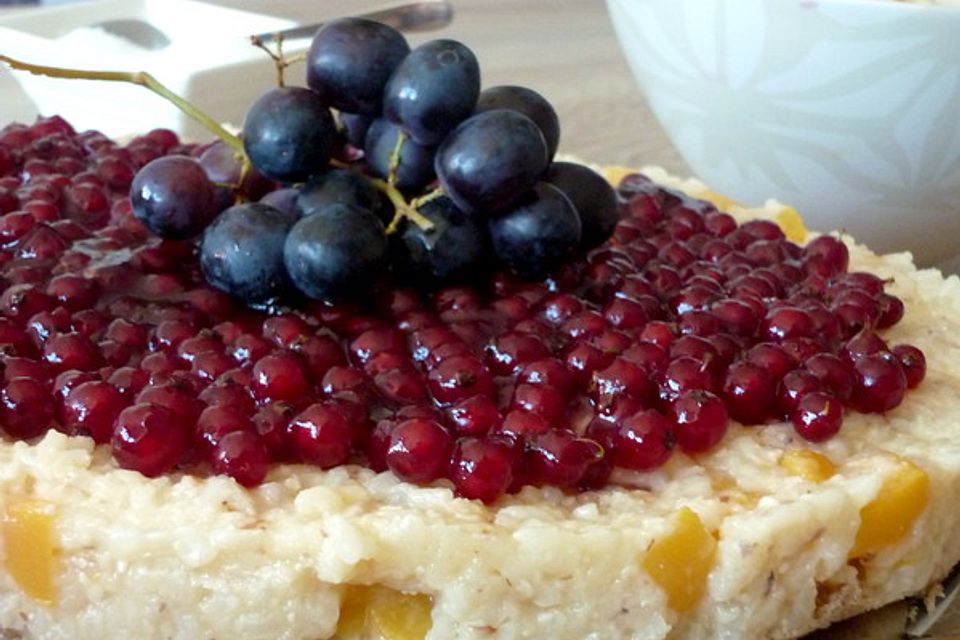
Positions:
(625, 313)
(610, 361)
(749, 393)
(279, 377)
(880, 382)
(817, 416)
(772, 358)
(91, 409)
(622, 378)
(584, 359)
(891, 310)
(793, 387)
(864, 343)
(512, 350)
(736, 316)
(71, 351)
(26, 408)
(685, 374)
(243, 456)
(271, 422)
(643, 441)
(218, 420)
(321, 435)
(545, 401)
(285, 330)
(785, 323)
(560, 457)
(829, 251)
(834, 373)
(458, 378)
(659, 332)
(475, 416)
(482, 468)
(129, 381)
(419, 450)
(913, 361)
(148, 438)
(549, 371)
(177, 396)
(699, 418)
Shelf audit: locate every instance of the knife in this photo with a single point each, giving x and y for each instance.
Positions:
(412, 17)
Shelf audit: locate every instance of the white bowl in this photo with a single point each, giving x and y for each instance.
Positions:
(847, 109)
(209, 61)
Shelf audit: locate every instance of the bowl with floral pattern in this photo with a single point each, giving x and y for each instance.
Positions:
(847, 109)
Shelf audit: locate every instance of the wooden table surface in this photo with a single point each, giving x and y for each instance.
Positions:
(566, 50)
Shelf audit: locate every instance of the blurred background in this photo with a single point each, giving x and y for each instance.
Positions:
(565, 49)
(688, 54)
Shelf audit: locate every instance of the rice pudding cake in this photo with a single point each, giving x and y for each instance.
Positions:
(765, 534)
(380, 367)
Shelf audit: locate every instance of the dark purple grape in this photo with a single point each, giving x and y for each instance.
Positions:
(539, 235)
(283, 199)
(289, 134)
(491, 160)
(224, 165)
(341, 186)
(529, 103)
(355, 127)
(456, 249)
(350, 61)
(415, 169)
(433, 90)
(592, 197)
(242, 251)
(336, 252)
(173, 197)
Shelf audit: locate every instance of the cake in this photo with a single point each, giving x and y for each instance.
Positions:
(444, 386)
(764, 536)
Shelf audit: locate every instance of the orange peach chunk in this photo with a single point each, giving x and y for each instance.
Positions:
(792, 224)
(681, 561)
(889, 517)
(380, 612)
(808, 464)
(30, 548)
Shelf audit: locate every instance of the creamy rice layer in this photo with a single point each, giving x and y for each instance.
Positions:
(187, 557)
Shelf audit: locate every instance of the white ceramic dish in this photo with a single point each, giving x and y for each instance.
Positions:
(210, 61)
(847, 109)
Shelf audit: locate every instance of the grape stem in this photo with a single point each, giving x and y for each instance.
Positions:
(279, 60)
(395, 157)
(140, 78)
(403, 208)
(427, 197)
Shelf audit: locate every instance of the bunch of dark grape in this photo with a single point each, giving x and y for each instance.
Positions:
(391, 163)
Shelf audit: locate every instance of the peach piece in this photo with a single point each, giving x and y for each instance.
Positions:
(385, 613)
(808, 464)
(681, 561)
(889, 517)
(30, 546)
